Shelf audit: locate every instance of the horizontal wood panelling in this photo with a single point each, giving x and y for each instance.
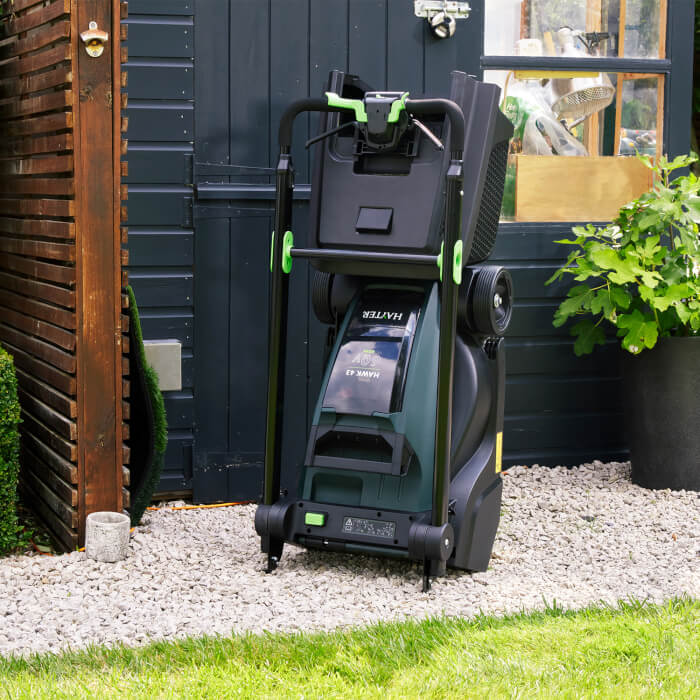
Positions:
(27, 84)
(67, 514)
(35, 40)
(41, 270)
(46, 331)
(30, 20)
(61, 488)
(52, 418)
(36, 105)
(39, 369)
(38, 348)
(51, 186)
(48, 394)
(38, 254)
(39, 310)
(61, 446)
(37, 166)
(39, 290)
(41, 228)
(37, 61)
(33, 146)
(65, 469)
(38, 125)
(66, 536)
(20, 5)
(39, 249)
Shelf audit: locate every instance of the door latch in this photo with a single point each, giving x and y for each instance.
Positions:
(442, 15)
(94, 40)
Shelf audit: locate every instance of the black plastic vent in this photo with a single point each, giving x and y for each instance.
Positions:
(490, 208)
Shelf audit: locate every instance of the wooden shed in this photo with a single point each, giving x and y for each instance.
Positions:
(208, 82)
(61, 253)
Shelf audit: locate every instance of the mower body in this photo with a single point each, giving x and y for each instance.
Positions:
(404, 452)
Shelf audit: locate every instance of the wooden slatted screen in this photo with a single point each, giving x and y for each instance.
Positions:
(60, 257)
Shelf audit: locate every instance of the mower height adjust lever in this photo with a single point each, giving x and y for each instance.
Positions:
(438, 144)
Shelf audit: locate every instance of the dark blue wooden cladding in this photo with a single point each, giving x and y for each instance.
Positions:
(251, 59)
(157, 38)
(179, 409)
(158, 205)
(149, 247)
(161, 131)
(151, 121)
(176, 324)
(163, 287)
(161, 7)
(367, 45)
(153, 81)
(158, 163)
(545, 355)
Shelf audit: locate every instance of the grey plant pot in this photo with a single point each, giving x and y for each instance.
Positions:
(662, 412)
(107, 536)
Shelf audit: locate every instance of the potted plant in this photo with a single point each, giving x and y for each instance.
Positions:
(641, 274)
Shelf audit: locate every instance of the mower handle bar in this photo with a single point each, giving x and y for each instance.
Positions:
(436, 105)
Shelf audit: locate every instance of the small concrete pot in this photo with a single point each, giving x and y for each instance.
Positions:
(107, 536)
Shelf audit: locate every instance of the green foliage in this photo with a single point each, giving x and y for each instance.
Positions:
(9, 455)
(640, 273)
(637, 114)
(633, 650)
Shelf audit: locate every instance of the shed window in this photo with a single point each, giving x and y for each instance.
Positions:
(613, 28)
(580, 107)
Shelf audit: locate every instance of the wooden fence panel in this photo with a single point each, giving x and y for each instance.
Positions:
(60, 255)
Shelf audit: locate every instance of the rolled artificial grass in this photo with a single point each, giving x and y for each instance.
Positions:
(148, 427)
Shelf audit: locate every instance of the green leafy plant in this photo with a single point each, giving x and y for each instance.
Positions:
(640, 273)
(10, 530)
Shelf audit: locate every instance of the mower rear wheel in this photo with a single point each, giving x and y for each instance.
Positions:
(321, 297)
(492, 303)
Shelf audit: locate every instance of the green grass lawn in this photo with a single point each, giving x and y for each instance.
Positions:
(633, 651)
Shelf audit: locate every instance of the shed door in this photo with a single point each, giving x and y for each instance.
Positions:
(252, 59)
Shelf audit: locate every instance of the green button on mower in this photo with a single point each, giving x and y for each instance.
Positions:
(317, 519)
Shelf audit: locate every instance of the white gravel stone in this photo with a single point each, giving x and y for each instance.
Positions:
(570, 536)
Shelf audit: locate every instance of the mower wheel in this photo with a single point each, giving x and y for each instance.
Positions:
(321, 297)
(492, 303)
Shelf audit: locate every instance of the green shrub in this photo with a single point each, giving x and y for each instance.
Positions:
(640, 273)
(9, 454)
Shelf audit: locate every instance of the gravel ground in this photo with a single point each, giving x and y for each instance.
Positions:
(575, 536)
